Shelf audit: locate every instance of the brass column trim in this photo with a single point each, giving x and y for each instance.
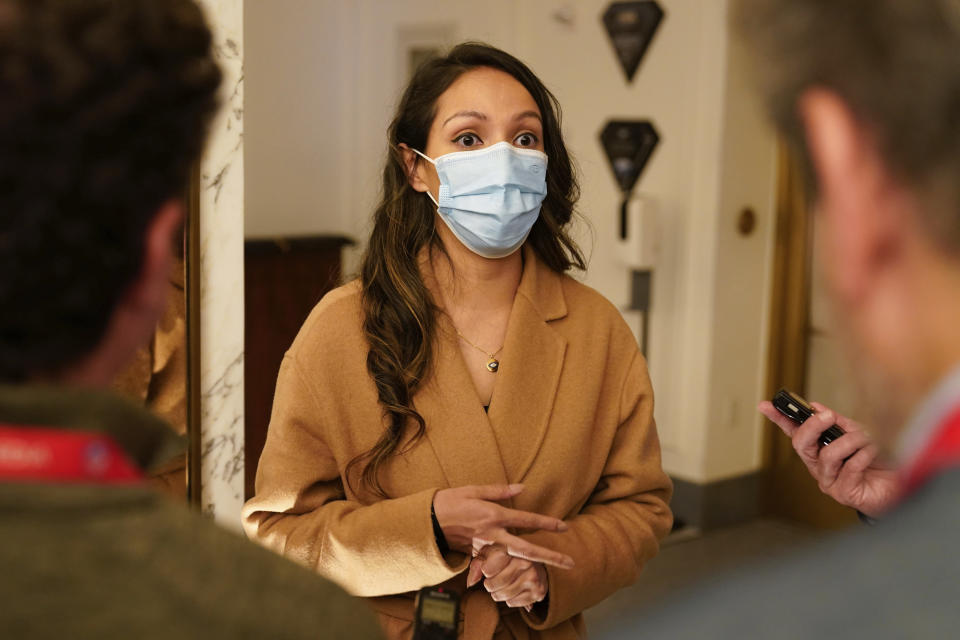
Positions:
(194, 392)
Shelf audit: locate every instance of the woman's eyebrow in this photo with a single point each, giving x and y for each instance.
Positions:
(528, 114)
(466, 114)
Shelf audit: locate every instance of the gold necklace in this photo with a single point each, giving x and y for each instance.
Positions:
(493, 365)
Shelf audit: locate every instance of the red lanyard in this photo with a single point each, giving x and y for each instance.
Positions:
(942, 452)
(62, 456)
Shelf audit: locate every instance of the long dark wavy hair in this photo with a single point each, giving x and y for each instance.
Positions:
(399, 312)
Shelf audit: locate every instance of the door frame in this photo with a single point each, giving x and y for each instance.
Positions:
(790, 491)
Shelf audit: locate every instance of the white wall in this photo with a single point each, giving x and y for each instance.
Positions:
(293, 159)
(742, 281)
(322, 79)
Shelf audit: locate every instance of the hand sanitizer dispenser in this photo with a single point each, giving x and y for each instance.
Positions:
(640, 249)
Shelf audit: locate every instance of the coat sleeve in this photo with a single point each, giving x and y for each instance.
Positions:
(300, 509)
(620, 527)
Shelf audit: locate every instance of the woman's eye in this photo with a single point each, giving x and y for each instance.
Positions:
(525, 140)
(467, 140)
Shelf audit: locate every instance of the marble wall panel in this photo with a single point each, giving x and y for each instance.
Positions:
(221, 286)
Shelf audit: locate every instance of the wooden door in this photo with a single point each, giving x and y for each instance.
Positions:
(284, 279)
(804, 355)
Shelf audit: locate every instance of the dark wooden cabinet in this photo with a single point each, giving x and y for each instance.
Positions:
(284, 279)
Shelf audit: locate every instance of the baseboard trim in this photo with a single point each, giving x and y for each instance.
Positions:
(717, 504)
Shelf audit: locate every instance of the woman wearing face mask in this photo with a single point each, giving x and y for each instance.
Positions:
(465, 414)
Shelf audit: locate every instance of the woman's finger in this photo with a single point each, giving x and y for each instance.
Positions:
(513, 591)
(520, 548)
(526, 600)
(504, 580)
(495, 562)
(487, 560)
(514, 518)
(475, 573)
(527, 590)
(492, 492)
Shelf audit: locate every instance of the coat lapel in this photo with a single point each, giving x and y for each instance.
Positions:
(530, 368)
(475, 448)
(457, 426)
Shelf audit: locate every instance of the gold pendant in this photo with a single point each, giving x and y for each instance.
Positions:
(493, 365)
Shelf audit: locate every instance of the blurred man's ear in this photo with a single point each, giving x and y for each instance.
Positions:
(139, 309)
(856, 217)
(148, 294)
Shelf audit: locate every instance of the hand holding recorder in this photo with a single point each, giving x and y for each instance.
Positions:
(837, 452)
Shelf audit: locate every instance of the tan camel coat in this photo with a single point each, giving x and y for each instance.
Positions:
(571, 418)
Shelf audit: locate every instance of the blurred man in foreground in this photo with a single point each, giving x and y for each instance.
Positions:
(104, 106)
(869, 94)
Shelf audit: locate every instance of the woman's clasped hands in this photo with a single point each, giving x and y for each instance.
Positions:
(515, 581)
(513, 569)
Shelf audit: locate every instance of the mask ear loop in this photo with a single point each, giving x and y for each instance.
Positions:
(424, 156)
(430, 160)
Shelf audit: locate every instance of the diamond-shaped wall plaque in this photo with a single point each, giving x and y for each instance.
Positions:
(629, 145)
(631, 26)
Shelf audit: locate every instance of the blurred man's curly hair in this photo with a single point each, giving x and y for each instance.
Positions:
(895, 63)
(104, 107)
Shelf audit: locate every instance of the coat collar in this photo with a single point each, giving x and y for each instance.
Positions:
(145, 437)
(475, 447)
(542, 287)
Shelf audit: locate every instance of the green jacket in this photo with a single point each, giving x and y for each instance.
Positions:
(94, 561)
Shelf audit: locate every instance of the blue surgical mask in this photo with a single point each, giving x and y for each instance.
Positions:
(491, 198)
